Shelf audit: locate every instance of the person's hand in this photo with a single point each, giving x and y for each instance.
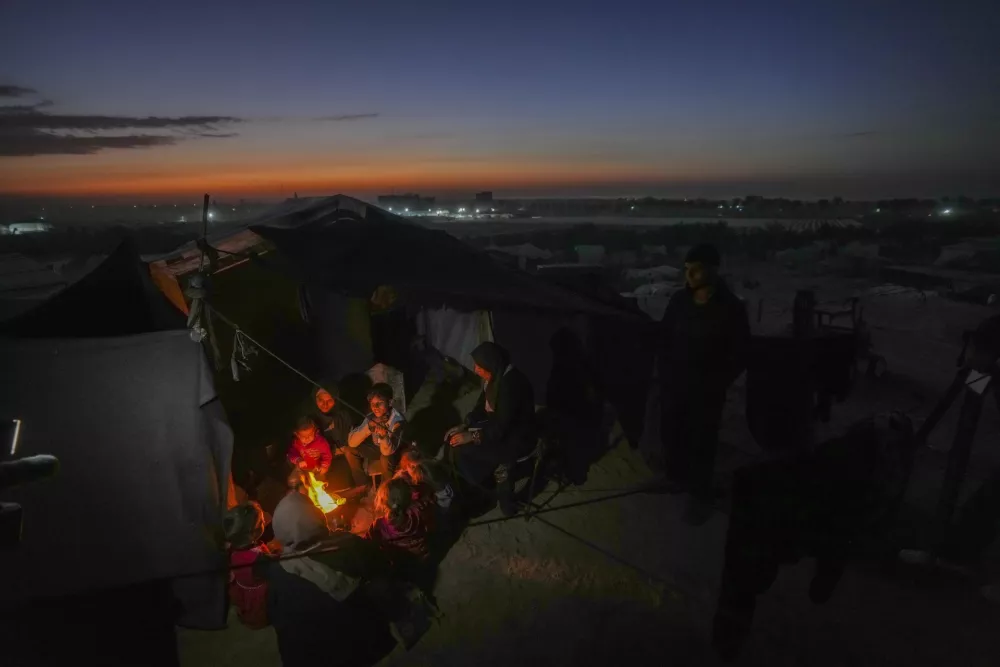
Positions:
(303, 465)
(459, 439)
(452, 431)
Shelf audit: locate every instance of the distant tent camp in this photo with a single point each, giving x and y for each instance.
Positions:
(813, 226)
(105, 377)
(117, 298)
(24, 283)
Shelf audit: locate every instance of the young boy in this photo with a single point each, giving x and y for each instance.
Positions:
(310, 451)
(377, 437)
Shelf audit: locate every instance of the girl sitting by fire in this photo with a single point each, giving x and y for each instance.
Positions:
(428, 479)
(404, 524)
(244, 526)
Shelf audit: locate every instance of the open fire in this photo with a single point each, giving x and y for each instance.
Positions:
(321, 498)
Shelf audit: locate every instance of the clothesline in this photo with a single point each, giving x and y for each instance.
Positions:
(213, 311)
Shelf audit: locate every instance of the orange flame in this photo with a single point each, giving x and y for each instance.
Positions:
(318, 494)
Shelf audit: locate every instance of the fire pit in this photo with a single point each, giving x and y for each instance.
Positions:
(316, 490)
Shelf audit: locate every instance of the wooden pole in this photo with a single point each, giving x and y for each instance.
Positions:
(204, 218)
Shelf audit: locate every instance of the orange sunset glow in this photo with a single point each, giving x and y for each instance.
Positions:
(164, 180)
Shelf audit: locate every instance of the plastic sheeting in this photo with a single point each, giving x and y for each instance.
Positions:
(144, 453)
(455, 334)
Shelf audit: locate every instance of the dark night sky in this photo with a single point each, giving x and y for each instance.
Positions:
(806, 98)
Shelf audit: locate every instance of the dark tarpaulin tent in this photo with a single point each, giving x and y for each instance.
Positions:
(345, 250)
(105, 377)
(342, 245)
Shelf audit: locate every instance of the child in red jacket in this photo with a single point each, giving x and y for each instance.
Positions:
(310, 451)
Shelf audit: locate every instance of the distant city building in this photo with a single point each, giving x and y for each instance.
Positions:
(29, 227)
(400, 203)
(485, 196)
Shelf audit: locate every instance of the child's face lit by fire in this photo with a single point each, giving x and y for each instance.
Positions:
(409, 466)
(324, 401)
(379, 407)
(306, 435)
(484, 374)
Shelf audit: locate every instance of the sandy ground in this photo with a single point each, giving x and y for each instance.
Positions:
(625, 581)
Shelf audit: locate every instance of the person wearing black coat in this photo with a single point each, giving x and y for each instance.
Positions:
(705, 337)
(314, 597)
(501, 427)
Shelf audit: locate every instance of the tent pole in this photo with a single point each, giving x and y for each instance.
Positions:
(204, 218)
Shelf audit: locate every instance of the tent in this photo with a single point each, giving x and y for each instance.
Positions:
(356, 250)
(105, 376)
(342, 252)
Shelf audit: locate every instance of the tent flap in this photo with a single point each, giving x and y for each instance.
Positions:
(140, 493)
(455, 334)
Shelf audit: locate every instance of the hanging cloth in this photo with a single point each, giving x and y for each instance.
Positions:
(240, 357)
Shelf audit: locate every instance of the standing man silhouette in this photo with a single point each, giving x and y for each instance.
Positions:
(704, 345)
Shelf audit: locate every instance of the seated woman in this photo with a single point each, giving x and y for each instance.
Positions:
(377, 437)
(318, 591)
(501, 428)
(334, 421)
(309, 451)
(244, 526)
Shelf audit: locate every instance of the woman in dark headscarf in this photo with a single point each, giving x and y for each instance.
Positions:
(333, 419)
(501, 428)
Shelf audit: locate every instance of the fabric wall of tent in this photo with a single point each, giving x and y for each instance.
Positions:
(362, 248)
(343, 252)
(105, 376)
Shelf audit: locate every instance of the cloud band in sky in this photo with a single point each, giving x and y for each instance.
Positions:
(27, 130)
